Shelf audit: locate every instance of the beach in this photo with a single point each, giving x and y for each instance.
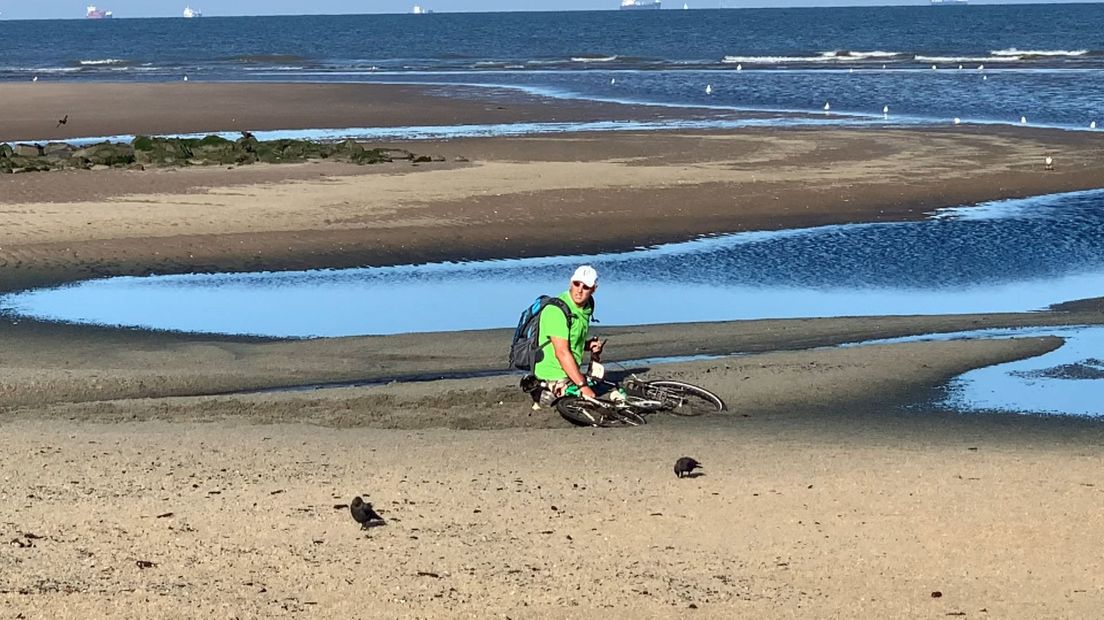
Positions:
(835, 487)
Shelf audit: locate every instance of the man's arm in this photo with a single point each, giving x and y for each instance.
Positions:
(567, 362)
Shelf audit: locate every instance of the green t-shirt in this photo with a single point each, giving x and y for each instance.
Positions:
(554, 323)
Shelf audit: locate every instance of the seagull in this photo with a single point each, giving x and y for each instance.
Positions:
(883, 66)
(885, 110)
(1023, 120)
(957, 121)
(933, 67)
(960, 67)
(985, 77)
(826, 106)
(185, 78)
(613, 81)
(1049, 161)
(981, 67)
(709, 89)
(62, 121)
(685, 466)
(740, 66)
(1092, 125)
(34, 79)
(851, 70)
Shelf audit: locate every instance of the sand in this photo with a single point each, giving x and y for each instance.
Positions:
(836, 487)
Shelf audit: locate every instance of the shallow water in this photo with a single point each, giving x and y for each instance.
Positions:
(1066, 381)
(1004, 256)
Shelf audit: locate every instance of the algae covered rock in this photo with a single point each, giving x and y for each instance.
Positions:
(106, 154)
(147, 151)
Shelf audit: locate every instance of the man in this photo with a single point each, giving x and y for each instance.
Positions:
(559, 367)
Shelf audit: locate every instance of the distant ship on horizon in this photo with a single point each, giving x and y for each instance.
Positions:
(421, 10)
(949, 2)
(636, 5)
(91, 12)
(189, 12)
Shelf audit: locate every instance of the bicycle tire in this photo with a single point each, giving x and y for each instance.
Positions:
(581, 412)
(624, 417)
(683, 399)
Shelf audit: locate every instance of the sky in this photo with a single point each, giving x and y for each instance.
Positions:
(55, 9)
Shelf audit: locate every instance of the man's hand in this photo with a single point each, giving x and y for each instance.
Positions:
(586, 392)
(595, 345)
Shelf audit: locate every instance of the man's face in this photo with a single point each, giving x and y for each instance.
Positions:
(581, 293)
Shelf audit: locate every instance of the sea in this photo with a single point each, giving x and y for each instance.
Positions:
(1042, 64)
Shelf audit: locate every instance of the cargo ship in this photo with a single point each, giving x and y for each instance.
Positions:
(93, 13)
(637, 5)
(189, 12)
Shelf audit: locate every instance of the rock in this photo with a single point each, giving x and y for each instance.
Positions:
(6, 151)
(28, 164)
(59, 150)
(28, 150)
(107, 154)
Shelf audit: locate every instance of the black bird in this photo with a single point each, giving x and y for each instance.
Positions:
(685, 465)
(63, 120)
(363, 514)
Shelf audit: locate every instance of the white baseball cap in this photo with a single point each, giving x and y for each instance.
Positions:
(585, 274)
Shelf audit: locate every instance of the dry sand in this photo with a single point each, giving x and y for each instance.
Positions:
(835, 488)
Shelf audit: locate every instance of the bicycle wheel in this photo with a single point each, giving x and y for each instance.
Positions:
(580, 411)
(681, 398)
(624, 417)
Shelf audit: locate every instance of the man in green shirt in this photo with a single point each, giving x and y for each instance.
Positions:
(566, 345)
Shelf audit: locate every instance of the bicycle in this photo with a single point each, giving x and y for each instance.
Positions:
(625, 404)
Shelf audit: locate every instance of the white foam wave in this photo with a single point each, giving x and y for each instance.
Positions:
(833, 56)
(966, 59)
(593, 58)
(104, 61)
(1030, 53)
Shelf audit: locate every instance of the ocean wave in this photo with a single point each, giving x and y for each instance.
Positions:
(966, 59)
(593, 58)
(263, 59)
(832, 56)
(1020, 54)
(104, 61)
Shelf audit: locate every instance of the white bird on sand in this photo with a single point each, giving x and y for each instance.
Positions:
(981, 67)
(34, 79)
(1023, 120)
(185, 78)
(885, 110)
(709, 89)
(1092, 125)
(934, 67)
(960, 67)
(740, 67)
(957, 121)
(1049, 163)
(826, 106)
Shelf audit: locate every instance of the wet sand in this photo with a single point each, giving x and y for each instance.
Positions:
(835, 488)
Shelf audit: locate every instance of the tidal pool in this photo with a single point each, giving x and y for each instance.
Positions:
(1005, 256)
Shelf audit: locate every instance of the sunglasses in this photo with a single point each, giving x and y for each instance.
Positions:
(578, 284)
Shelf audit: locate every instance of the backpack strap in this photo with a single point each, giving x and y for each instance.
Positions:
(568, 314)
